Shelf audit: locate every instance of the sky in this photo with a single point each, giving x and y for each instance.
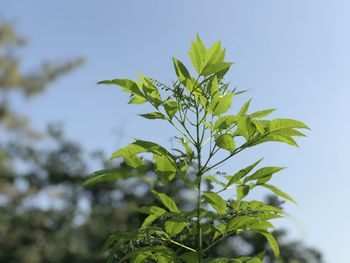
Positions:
(290, 55)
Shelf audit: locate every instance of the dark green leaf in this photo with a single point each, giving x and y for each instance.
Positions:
(154, 115)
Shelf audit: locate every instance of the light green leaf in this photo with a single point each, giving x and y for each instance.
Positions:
(171, 107)
(214, 88)
(129, 153)
(279, 192)
(243, 126)
(239, 222)
(165, 167)
(226, 142)
(181, 71)
(166, 201)
(243, 111)
(263, 172)
(154, 115)
(225, 122)
(197, 54)
(277, 124)
(128, 85)
(222, 104)
(262, 113)
(173, 227)
(241, 173)
(137, 100)
(276, 137)
(259, 125)
(216, 202)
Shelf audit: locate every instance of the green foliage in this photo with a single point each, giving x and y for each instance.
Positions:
(195, 105)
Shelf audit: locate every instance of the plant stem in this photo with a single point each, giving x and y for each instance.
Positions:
(199, 198)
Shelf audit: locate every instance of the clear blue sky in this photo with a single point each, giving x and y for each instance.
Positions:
(292, 55)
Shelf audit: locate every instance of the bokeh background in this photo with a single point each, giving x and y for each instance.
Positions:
(290, 55)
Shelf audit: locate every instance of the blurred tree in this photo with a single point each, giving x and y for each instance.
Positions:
(45, 213)
(12, 78)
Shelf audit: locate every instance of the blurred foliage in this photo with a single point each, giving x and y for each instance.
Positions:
(14, 79)
(45, 213)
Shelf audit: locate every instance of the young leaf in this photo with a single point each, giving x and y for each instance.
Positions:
(263, 172)
(241, 173)
(137, 100)
(222, 104)
(243, 111)
(225, 122)
(216, 202)
(166, 201)
(262, 113)
(277, 124)
(181, 71)
(173, 227)
(243, 126)
(226, 142)
(197, 54)
(128, 85)
(279, 192)
(165, 168)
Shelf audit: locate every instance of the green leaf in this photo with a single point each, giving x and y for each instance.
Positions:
(171, 107)
(243, 127)
(262, 113)
(173, 227)
(104, 176)
(181, 71)
(165, 167)
(214, 180)
(216, 202)
(272, 241)
(242, 191)
(166, 201)
(190, 257)
(154, 115)
(152, 252)
(259, 125)
(263, 172)
(243, 111)
(225, 122)
(241, 173)
(278, 192)
(222, 104)
(277, 124)
(214, 88)
(129, 153)
(127, 85)
(197, 54)
(239, 222)
(276, 137)
(137, 100)
(226, 142)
